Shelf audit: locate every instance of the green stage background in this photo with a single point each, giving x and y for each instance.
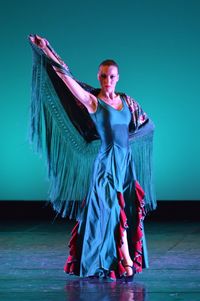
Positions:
(157, 45)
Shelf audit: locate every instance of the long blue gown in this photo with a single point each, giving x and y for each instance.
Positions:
(61, 129)
(111, 203)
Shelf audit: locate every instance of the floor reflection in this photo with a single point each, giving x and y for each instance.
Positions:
(96, 289)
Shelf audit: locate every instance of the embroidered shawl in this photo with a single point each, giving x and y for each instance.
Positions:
(63, 132)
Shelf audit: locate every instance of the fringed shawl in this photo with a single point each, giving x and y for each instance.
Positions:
(63, 132)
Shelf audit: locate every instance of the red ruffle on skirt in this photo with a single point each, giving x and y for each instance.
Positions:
(137, 239)
(72, 265)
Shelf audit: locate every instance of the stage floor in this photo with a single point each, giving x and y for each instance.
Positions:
(32, 255)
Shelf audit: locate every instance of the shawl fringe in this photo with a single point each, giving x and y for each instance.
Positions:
(69, 150)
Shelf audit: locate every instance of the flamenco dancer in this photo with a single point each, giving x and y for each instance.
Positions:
(98, 148)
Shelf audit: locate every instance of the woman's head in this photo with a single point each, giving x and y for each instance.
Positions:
(108, 75)
(109, 62)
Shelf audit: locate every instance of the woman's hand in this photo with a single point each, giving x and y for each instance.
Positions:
(42, 43)
(39, 41)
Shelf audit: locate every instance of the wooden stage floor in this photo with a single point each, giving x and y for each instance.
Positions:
(32, 255)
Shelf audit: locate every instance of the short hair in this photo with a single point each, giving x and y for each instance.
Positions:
(109, 62)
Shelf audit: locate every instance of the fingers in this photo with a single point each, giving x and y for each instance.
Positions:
(39, 41)
(33, 38)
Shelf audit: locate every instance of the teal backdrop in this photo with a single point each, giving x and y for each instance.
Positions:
(157, 46)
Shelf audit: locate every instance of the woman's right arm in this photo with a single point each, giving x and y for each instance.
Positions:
(86, 98)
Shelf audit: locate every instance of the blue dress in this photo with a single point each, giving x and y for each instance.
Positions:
(66, 134)
(113, 203)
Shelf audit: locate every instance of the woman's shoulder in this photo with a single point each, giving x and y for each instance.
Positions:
(129, 99)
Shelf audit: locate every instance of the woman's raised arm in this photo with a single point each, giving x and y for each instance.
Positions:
(86, 98)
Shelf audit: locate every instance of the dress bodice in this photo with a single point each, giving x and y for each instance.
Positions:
(112, 124)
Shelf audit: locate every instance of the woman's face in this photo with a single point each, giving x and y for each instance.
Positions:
(108, 77)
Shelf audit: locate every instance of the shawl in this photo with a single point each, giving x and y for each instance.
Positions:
(61, 130)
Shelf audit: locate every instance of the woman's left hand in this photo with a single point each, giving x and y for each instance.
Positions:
(39, 41)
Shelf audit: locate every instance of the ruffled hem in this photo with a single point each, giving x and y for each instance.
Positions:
(137, 238)
(72, 265)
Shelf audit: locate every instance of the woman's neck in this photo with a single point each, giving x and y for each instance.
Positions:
(107, 95)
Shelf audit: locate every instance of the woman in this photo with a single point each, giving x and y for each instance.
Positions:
(108, 238)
